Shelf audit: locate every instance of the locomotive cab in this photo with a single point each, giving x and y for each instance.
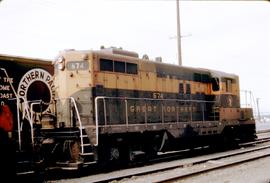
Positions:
(225, 88)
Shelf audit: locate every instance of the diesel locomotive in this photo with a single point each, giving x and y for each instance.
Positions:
(112, 105)
(109, 105)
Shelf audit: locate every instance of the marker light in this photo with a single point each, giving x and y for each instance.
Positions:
(60, 62)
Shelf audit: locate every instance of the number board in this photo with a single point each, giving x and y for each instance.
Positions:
(77, 65)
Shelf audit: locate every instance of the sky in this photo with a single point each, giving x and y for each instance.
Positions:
(230, 36)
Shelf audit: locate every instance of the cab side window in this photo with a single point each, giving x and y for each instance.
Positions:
(181, 88)
(132, 68)
(229, 85)
(106, 65)
(119, 66)
(215, 84)
(188, 89)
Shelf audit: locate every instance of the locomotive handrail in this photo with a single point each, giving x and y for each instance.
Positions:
(126, 106)
(153, 99)
(105, 111)
(96, 115)
(79, 120)
(73, 101)
(29, 117)
(29, 113)
(125, 99)
(35, 102)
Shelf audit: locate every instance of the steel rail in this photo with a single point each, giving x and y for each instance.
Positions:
(214, 167)
(150, 169)
(175, 177)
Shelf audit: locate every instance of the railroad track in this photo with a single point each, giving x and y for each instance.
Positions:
(197, 167)
(217, 163)
(263, 131)
(138, 174)
(263, 134)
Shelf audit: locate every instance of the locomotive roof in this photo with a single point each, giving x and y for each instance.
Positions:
(133, 57)
(14, 58)
(214, 73)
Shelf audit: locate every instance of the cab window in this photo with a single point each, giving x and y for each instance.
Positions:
(132, 68)
(229, 85)
(119, 66)
(188, 90)
(106, 65)
(181, 88)
(215, 84)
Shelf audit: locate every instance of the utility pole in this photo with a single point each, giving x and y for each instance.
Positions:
(178, 34)
(259, 115)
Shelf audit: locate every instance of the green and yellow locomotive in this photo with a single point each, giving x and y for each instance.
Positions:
(111, 105)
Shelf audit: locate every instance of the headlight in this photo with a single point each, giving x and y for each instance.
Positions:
(60, 63)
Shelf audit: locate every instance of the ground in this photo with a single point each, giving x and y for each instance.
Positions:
(251, 172)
